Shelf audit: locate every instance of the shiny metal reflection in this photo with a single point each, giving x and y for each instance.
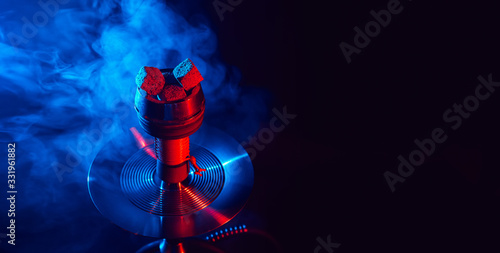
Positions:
(233, 169)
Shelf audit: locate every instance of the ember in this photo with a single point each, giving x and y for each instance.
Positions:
(187, 74)
(150, 79)
(171, 93)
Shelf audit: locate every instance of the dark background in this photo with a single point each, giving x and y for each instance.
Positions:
(323, 175)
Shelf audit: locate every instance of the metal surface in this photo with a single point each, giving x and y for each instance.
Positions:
(162, 198)
(189, 245)
(203, 211)
(173, 247)
(154, 109)
(171, 120)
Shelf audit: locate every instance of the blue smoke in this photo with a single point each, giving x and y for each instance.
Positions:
(67, 87)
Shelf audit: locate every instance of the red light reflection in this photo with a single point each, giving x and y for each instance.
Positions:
(141, 142)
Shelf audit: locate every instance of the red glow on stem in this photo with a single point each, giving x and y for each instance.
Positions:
(141, 142)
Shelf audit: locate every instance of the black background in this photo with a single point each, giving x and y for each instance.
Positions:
(323, 175)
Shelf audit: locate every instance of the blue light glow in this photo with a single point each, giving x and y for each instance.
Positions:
(225, 233)
(68, 86)
(234, 159)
